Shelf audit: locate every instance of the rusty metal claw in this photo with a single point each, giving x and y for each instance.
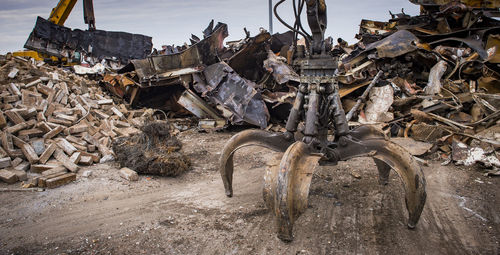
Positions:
(287, 181)
(318, 107)
(273, 141)
(367, 140)
(287, 185)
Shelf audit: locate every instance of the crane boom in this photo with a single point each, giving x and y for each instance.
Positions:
(60, 13)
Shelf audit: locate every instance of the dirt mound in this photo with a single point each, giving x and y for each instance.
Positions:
(153, 151)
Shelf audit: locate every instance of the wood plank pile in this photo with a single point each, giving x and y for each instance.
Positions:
(52, 122)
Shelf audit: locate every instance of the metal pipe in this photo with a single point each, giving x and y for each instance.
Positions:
(363, 97)
(294, 117)
(312, 114)
(271, 16)
(339, 117)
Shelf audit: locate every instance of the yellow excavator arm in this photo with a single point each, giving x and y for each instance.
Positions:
(60, 13)
(58, 16)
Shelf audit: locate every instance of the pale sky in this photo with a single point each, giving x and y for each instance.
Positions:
(172, 22)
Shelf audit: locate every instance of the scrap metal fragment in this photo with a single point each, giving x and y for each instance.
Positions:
(248, 61)
(278, 40)
(434, 85)
(427, 133)
(356, 74)
(363, 97)
(281, 72)
(494, 42)
(236, 94)
(59, 41)
(377, 108)
(205, 52)
(415, 148)
(376, 27)
(280, 97)
(463, 155)
(397, 44)
(471, 3)
(476, 45)
(197, 106)
(119, 84)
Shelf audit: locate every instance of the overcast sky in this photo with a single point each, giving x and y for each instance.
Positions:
(172, 21)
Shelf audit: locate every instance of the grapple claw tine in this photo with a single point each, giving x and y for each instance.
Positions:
(273, 141)
(287, 185)
(383, 171)
(412, 176)
(390, 155)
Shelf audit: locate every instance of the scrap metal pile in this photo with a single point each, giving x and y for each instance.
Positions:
(434, 78)
(442, 78)
(211, 81)
(439, 84)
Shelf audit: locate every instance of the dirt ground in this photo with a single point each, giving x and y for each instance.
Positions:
(190, 214)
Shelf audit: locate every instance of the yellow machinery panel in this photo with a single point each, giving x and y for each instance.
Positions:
(28, 53)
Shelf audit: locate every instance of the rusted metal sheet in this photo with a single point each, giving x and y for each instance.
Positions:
(60, 41)
(280, 97)
(281, 72)
(394, 45)
(248, 61)
(194, 58)
(357, 64)
(278, 40)
(200, 85)
(494, 41)
(118, 84)
(237, 94)
(376, 27)
(197, 106)
(179, 72)
(470, 3)
(472, 43)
